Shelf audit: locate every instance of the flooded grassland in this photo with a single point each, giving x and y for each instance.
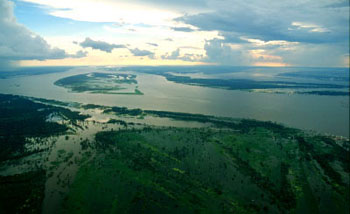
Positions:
(115, 159)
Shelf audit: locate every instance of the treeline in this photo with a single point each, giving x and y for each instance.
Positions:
(181, 116)
(327, 93)
(324, 159)
(21, 118)
(30, 71)
(283, 195)
(244, 125)
(124, 111)
(243, 84)
(22, 193)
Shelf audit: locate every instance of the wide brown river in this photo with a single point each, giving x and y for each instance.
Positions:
(325, 114)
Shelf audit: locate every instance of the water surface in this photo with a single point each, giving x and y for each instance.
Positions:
(326, 114)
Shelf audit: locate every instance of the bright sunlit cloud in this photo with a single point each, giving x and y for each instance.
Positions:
(310, 27)
(107, 11)
(136, 32)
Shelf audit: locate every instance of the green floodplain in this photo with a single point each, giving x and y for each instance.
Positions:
(58, 157)
(101, 83)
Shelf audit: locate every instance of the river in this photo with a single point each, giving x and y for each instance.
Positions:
(323, 114)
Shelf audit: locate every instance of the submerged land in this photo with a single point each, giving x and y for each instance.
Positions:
(25, 131)
(85, 158)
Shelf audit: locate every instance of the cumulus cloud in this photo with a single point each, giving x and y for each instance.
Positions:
(100, 45)
(108, 47)
(190, 47)
(79, 54)
(152, 44)
(183, 29)
(172, 4)
(217, 51)
(323, 55)
(131, 11)
(175, 55)
(19, 43)
(245, 31)
(138, 52)
(258, 52)
(306, 21)
(308, 28)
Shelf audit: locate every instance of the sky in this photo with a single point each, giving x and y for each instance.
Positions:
(312, 33)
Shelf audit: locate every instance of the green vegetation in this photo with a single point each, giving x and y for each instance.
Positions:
(123, 111)
(93, 106)
(105, 83)
(231, 166)
(335, 74)
(327, 93)
(56, 102)
(246, 84)
(332, 79)
(22, 193)
(242, 125)
(21, 118)
(242, 84)
(121, 122)
(290, 92)
(257, 169)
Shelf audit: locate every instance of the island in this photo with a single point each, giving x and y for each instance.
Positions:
(101, 83)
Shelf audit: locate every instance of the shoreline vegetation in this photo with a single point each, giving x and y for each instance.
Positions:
(263, 86)
(259, 86)
(101, 83)
(320, 92)
(229, 166)
(24, 123)
(137, 112)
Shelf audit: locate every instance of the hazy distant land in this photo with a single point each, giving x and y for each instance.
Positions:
(334, 83)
